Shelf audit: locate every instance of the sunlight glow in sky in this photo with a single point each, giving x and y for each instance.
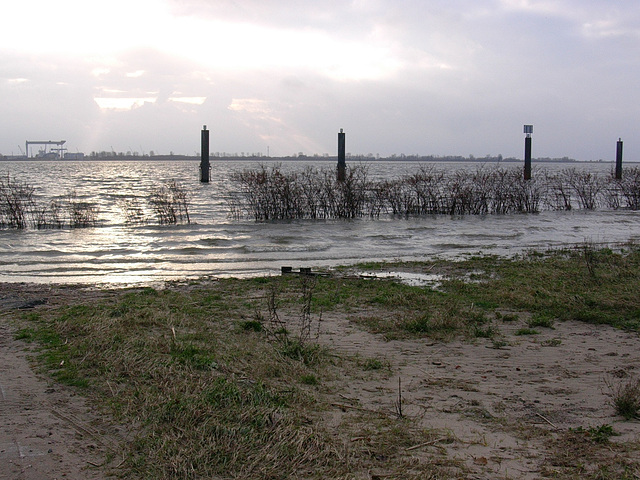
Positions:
(448, 77)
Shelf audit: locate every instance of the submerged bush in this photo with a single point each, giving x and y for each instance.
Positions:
(629, 188)
(16, 200)
(21, 208)
(272, 193)
(81, 213)
(269, 193)
(170, 203)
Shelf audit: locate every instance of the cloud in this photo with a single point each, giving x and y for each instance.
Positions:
(445, 77)
(189, 100)
(123, 103)
(136, 74)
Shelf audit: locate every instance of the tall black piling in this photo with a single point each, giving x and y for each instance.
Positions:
(205, 166)
(528, 130)
(619, 159)
(342, 163)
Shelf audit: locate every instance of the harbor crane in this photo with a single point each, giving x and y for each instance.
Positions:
(59, 151)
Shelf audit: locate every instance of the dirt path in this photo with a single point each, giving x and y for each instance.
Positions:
(46, 431)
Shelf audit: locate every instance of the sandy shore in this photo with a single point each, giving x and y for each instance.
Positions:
(506, 409)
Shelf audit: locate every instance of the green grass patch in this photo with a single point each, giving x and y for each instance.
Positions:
(251, 325)
(507, 317)
(309, 379)
(552, 286)
(540, 320)
(526, 331)
(600, 434)
(370, 364)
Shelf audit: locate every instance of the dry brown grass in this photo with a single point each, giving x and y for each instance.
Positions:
(207, 397)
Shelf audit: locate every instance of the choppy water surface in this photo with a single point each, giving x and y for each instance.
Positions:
(216, 245)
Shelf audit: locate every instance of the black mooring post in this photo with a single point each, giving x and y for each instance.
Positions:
(619, 160)
(342, 164)
(527, 158)
(204, 155)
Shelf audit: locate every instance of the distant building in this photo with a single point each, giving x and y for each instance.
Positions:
(74, 156)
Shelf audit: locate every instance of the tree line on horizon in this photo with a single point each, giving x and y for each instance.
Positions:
(105, 155)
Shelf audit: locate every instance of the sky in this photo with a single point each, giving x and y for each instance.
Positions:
(436, 77)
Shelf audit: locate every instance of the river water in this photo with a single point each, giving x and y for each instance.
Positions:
(214, 244)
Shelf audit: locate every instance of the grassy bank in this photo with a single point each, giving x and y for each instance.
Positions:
(226, 379)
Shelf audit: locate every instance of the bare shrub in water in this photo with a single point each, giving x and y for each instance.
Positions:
(528, 194)
(483, 191)
(352, 195)
(558, 192)
(132, 210)
(398, 196)
(586, 186)
(629, 187)
(19, 208)
(269, 193)
(81, 214)
(460, 193)
(50, 215)
(312, 193)
(16, 199)
(170, 203)
(427, 185)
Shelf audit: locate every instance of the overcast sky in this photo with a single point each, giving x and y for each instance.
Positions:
(443, 77)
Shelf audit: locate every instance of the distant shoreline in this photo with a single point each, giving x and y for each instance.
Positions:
(412, 159)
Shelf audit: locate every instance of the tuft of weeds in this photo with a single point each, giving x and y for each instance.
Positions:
(590, 258)
(540, 320)
(441, 326)
(499, 343)
(251, 326)
(293, 337)
(625, 397)
(309, 379)
(600, 434)
(307, 353)
(588, 454)
(526, 331)
(484, 331)
(197, 358)
(375, 364)
(507, 317)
